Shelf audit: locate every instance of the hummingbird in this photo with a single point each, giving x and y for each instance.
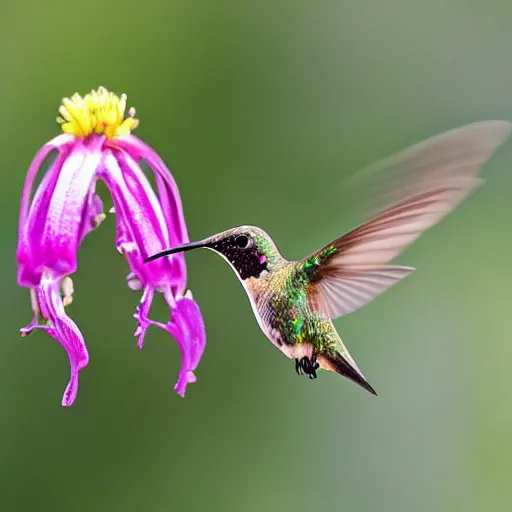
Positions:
(295, 302)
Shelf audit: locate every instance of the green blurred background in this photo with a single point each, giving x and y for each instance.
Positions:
(260, 108)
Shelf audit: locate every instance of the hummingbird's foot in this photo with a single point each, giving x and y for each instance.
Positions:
(307, 366)
(298, 367)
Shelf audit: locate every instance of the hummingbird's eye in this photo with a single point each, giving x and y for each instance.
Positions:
(243, 241)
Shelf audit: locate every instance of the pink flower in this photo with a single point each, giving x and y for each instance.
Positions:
(97, 145)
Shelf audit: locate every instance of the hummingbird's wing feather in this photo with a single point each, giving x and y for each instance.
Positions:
(413, 190)
(354, 287)
(460, 152)
(351, 271)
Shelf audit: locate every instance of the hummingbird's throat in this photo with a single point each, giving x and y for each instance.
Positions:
(247, 262)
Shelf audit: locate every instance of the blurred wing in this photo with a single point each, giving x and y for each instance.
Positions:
(432, 179)
(460, 152)
(355, 272)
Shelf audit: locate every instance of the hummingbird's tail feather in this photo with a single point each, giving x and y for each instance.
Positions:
(336, 362)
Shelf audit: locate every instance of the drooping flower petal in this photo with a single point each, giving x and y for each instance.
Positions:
(65, 331)
(33, 216)
(61, 328)
(141, 228)
(63, 227)
(54, 225)
(186, 326)
(57, 219)
(58, 143)
(142, 316)
(169, 196)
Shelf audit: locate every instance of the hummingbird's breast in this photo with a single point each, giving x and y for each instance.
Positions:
(280, 304)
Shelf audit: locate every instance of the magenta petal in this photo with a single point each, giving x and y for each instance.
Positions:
(141, 227)
(54, 226)
(187, 327)
(64, 330)
(31, 225)
(142, 316)
(57, 143)
(171, 200)
(135, 201)
(169, 197)
(63, 228)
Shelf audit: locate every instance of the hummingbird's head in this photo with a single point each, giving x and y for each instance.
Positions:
(248, 249)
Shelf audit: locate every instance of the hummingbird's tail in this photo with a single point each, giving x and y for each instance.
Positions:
(343, 364)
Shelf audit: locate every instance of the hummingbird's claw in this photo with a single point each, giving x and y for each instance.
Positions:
(306, 366)
(313, 368)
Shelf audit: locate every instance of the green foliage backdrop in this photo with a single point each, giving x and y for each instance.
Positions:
(260, 109)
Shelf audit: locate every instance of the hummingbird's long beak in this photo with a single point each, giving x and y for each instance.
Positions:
(178, 248)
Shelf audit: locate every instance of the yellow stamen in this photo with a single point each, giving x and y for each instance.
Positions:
(100, 112)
